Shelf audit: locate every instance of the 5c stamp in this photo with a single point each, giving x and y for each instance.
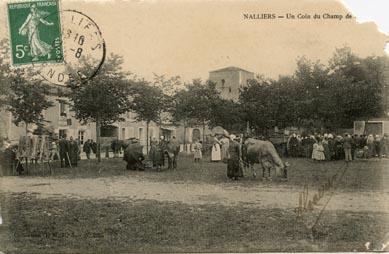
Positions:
(35, 32)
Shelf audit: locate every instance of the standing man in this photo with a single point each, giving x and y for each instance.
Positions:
(377, 146)
(73, 152)
(87, 148)
(64, 151)
(234, 159)
(173, 148)
(162, 148)
(293, 145)
(93, 145)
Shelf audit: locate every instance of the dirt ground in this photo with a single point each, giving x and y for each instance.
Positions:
(101, 207)
(229, 194)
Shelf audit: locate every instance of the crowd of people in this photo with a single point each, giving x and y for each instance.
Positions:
(225, 148)
(327, 146)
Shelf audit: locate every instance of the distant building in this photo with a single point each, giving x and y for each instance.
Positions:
(230, 80)
(375, 126)
(60, 120)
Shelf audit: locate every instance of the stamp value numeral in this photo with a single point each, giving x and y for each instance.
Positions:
(20, 50)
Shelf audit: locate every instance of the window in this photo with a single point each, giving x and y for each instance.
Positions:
(223, 82)
(62, 133)
(81, 137)
(62, 108)
(229, 89)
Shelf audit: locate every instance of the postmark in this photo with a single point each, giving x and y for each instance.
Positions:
(84, 50)
(35, 32)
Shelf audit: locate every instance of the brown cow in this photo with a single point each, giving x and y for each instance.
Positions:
(263, 152)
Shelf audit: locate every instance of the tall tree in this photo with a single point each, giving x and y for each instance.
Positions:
(357, 86)
(258, 104)
(180, 110)
(228, 114)
(148, 102)
(27, 100)
(196, 103)
(103, 99)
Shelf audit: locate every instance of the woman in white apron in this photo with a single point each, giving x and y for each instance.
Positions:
(216, 152)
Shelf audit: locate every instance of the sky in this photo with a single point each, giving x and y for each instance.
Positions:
(372, 10)
(191, 38)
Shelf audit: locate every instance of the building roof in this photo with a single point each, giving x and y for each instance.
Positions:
(231, 68)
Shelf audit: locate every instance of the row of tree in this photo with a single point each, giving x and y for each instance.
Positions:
(320, 96)
(316, 95)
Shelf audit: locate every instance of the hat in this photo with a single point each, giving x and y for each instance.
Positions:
(232, 136)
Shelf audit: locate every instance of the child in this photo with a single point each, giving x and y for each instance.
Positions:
(318, 152)
(197, 151)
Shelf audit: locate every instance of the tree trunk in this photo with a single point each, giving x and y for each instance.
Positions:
(26, 147)
(98, 152)
(147, 137)
(203, 131)
(184, 136)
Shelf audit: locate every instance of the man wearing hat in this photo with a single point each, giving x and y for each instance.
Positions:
(233, 163)
(162, 149)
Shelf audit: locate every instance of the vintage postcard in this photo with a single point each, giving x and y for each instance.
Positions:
(194, 126)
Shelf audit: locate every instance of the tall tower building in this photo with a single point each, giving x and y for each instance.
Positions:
(230, 80)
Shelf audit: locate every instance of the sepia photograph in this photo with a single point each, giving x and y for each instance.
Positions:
(195, 126)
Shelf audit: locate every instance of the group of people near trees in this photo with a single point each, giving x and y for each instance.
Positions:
(163, 149)
(328, 146)
(30, 148)
(69, 151)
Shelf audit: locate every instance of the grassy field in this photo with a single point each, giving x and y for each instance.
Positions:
(96, 226)
(33, 224)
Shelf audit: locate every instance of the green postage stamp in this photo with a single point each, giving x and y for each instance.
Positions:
(35, 32)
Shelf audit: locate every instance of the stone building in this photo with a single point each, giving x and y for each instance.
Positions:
(60, 120)
(230, 80)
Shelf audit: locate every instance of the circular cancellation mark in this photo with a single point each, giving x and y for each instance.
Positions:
(83, 50)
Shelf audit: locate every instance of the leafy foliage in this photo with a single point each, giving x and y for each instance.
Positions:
(148, 102)
(27, 101)
(196, 103)
(319, 96)
(104, 98)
